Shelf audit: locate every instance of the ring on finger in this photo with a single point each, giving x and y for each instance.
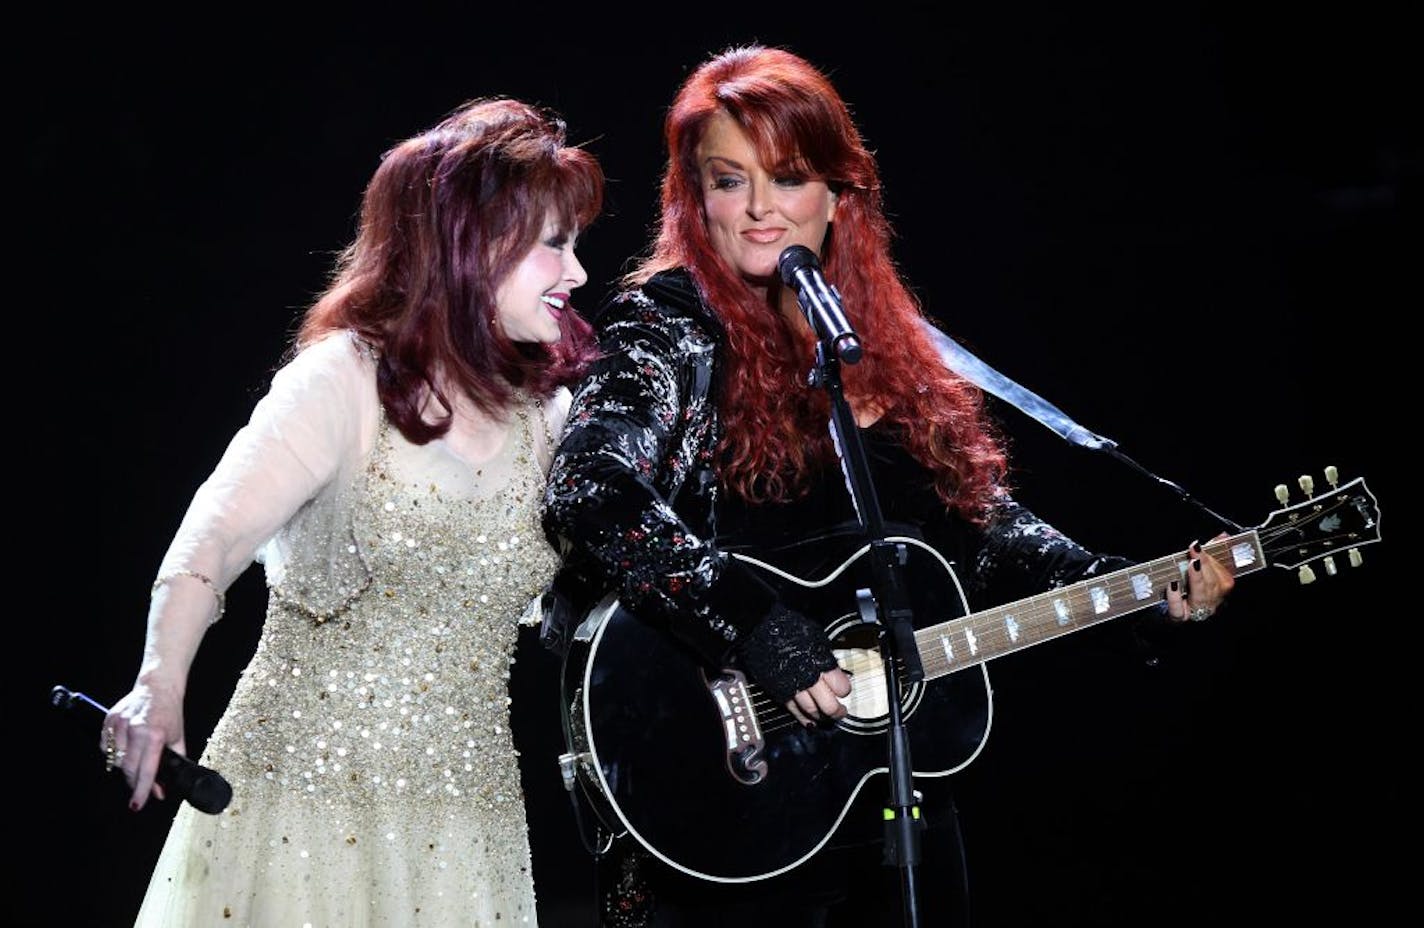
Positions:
(111, 751)
(1199, 614)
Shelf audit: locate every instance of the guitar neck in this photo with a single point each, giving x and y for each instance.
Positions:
(981, 636)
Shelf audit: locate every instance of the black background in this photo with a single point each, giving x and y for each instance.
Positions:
(1184, 224)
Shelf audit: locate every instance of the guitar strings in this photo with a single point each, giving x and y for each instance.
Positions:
(990, 628)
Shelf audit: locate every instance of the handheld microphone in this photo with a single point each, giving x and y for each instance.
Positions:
(820, 302)
(203, 789)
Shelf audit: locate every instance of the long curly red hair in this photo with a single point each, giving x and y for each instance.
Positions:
(775, 436)
(444, 219)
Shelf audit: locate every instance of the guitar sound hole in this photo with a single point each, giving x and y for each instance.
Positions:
(857, 649)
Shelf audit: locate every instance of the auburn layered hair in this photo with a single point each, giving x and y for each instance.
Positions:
(775, 437)
(446, 217)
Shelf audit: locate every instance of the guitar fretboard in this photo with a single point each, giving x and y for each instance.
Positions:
(981, 636)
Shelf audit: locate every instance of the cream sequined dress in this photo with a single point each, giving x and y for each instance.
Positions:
(375, 780)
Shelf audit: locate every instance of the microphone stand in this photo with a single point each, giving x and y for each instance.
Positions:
(897, 642)
(887, 561)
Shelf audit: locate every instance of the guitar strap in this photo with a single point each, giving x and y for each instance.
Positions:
(966, 365)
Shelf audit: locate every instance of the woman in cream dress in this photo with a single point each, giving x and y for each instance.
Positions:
(389, 483)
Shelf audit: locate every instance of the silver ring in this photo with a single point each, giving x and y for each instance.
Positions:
(1199, 614)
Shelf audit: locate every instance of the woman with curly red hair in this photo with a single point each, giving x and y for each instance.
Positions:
(698, 435)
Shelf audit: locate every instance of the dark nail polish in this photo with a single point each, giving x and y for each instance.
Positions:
(1173, 586)
(1196, 565)
(1196, 547)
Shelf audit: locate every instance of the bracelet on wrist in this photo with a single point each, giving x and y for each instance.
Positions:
(205, 580)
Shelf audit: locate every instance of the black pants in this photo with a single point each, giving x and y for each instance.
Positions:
(839, 887)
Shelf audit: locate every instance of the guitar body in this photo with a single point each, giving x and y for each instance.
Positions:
(693, 763)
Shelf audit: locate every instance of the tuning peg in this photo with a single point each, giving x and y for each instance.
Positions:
(1283, 493)
(1356, 559)
(1307, 485)
(1306, 574)
(1330, 566)
(1332, 476)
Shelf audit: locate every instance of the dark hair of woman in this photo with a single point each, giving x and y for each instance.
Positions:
(444, 219)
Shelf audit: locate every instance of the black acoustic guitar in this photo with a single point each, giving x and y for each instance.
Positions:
(692, 763)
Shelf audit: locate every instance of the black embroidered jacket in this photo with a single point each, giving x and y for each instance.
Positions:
(632, 496)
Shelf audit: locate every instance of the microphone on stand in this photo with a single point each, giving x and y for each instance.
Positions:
(204, 789)
(820, 302)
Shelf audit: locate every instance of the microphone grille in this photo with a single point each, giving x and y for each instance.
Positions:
(792, 259)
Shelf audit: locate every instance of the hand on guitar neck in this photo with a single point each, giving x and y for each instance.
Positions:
(1208, 584)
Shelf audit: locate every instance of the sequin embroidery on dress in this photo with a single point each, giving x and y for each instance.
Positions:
(375, 777)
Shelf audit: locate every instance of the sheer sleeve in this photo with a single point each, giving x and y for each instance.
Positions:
(555, 411)
(305, 437)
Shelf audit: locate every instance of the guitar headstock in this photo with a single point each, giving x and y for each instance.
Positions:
(1342, 519)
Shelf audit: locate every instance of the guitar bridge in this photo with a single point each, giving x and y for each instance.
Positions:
(743, 739)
